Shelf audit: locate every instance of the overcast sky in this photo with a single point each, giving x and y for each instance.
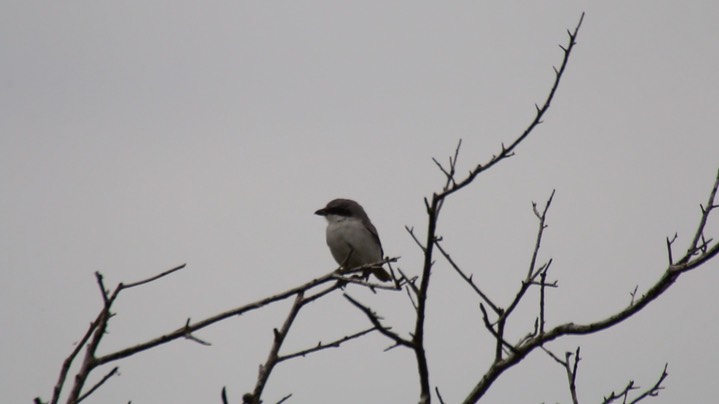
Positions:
(139, 135)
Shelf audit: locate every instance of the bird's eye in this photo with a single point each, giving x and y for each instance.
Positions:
(341, 211)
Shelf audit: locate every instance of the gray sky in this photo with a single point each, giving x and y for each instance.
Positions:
(135, 136)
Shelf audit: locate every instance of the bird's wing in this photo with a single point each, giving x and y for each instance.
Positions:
(373, 231)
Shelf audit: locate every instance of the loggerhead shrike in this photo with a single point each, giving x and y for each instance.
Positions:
(352, 238)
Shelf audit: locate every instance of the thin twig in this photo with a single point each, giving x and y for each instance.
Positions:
(410, 230)
(623, 394)
(376, 321)
(182, 332)
(569, 368)
(705, 216)
(320, 346)
(655, 389)
(439, 396)
(272, 358)
(670, 275)
(98, 384)
(285, 398)
(467, 279)
(154, 278)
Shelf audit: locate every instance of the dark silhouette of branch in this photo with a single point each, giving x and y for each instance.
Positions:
(532, 274)
(285, 398)
(98, 328)
(433, 207)
(98, 384)
(468, 279)
(192, 327)
(570, 368)
(653, 391)
(272, 358)
(376, 321)
(689, 261)
(91, 341)
(700, 250)
(320, 346)
(68, 362)
(439, 396)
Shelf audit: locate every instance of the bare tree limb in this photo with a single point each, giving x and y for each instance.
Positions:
(623, 394)
(190, 328)
(285, 398)
(655, 389)
(433, 208)
(98, 384)
(468, 279)
(570, 368)
(376, 321)
(690, 261)
(320, 346)
(439, 396)
(272, 358)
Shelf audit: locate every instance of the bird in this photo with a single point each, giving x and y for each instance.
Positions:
(352, 238)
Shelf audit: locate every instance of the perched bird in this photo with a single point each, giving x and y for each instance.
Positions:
(351, 237)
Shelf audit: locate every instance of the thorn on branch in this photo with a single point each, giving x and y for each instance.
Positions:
(188, 335)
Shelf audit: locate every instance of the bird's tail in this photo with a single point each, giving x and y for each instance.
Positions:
(381, 274)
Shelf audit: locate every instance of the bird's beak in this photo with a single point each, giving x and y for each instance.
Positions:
(321, 212)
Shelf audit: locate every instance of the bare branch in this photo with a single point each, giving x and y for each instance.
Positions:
(669, 248)
(497, 335)
(541, 300)
(655, 389)
(702, 224)
(285, 398)
(623, 394)
(103, 290)
(410, 230)
(183, 331)
(370, 285)
(509, 150)
(531, 272)
(320, 346)
(272, 358)
(467, 279)
(570, 369)
(439, 396)
(152, 279)
(670, 275)
(191, 337)
(98, 384)
(376, 321)
(68, 361)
